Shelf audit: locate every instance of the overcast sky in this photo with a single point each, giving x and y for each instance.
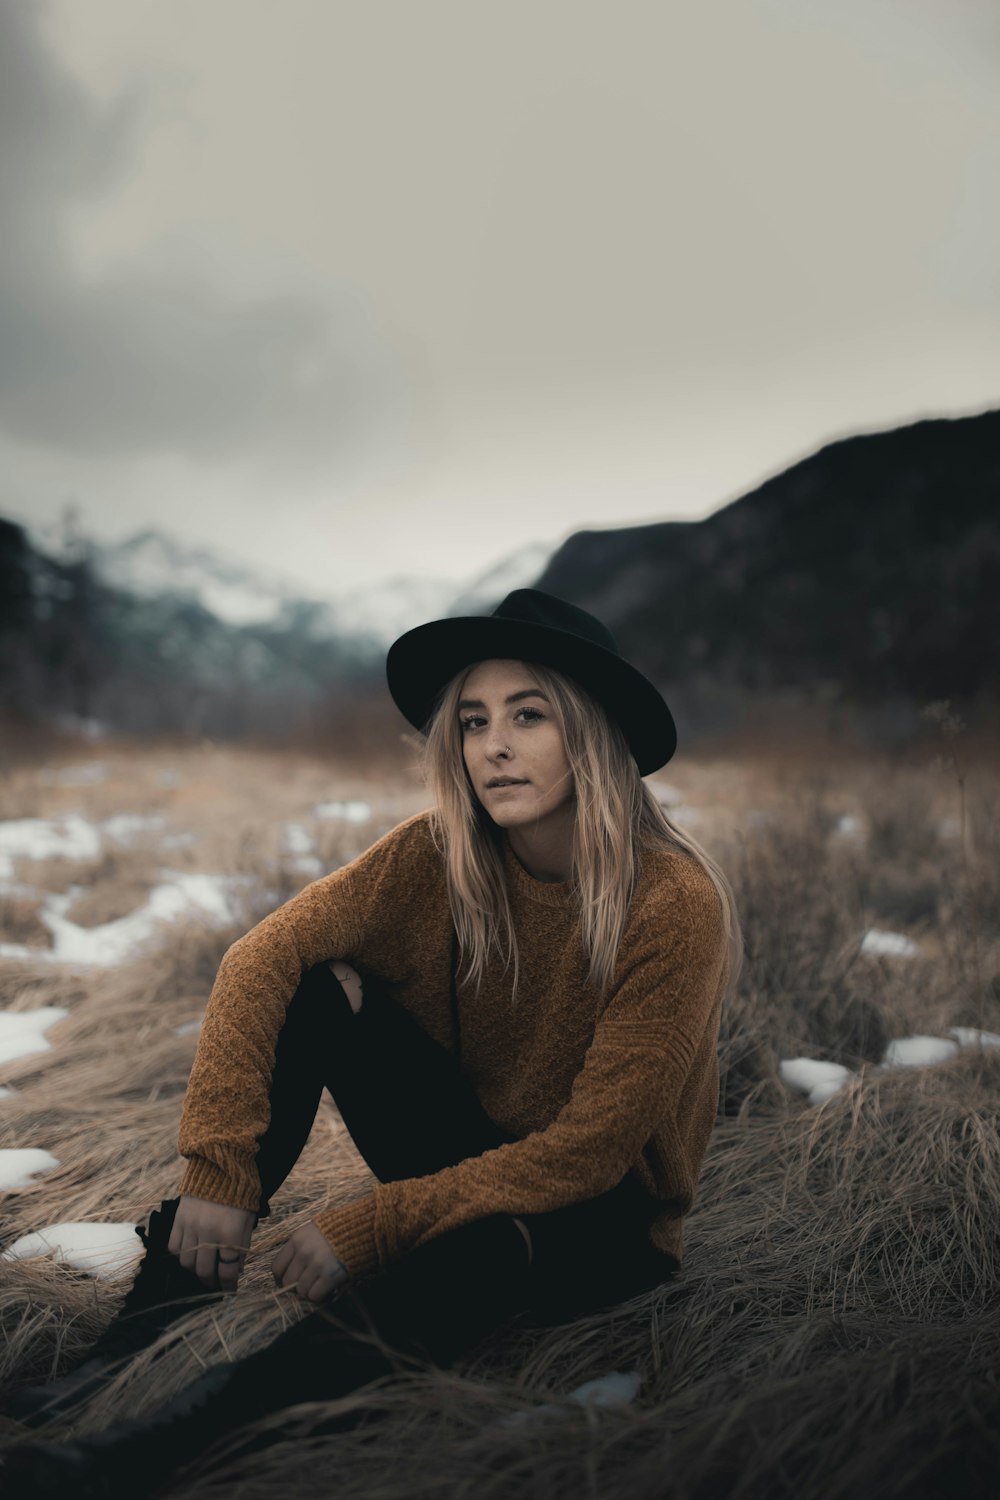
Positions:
(364, 287)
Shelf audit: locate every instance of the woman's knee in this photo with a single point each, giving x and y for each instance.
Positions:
(350, 982)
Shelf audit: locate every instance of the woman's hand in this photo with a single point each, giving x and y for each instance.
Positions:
(308, 1262)
(203, 1232)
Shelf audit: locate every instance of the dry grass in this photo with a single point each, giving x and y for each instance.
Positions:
(835, 1330)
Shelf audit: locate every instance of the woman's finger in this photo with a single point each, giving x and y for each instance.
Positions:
(280, 1261)
(229, 1269)
(205, 1265)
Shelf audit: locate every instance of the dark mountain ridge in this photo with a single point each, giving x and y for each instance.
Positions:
(868, 571)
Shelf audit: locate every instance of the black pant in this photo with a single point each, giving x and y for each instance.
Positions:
(411, 1113)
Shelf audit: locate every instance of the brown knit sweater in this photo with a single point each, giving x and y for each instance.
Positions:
(590, 1090)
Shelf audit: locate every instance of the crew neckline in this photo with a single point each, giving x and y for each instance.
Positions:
(548, 892)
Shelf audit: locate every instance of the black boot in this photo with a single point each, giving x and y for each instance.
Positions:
(131, 1458)
(325, 1355)
(161, 1292)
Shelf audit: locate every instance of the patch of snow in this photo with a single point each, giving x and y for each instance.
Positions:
(917, 1051)
(45, 838)
(21, 1031)
(298, 840)
(617, 1388)
(849, 825)
(124, 826)
(6, 1093)
(26, 1045)
(188, 1028)
(177, 840)
(349, 812)
(821, 1080)
(111, 943)
(104, 1250)
(809, 1075)
(892, 944)
(18, 1167)
(969, 1036)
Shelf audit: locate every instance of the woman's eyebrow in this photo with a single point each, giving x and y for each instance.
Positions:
(514, 698)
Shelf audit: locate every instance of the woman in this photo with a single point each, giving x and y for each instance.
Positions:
(514, 1000)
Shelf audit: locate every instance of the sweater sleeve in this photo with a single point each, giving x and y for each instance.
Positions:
(226, 1107)
(640, 1055)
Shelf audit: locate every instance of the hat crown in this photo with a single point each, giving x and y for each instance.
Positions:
(533, 607)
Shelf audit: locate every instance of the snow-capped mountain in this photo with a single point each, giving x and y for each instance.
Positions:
(155, 565)
(151, 564)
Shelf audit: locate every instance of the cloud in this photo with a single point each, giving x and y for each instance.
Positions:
(152, 358)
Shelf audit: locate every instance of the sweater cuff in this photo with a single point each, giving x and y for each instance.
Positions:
(350, 1229)
(205, 1179)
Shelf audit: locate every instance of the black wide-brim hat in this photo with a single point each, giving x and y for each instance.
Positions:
(531, 625)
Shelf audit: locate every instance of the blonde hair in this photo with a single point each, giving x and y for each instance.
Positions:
(617, 816)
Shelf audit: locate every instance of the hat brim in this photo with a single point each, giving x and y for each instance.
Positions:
(421, 662)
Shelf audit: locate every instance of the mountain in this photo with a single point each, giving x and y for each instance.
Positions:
(154, 565)
(155, 635)
(518, 571)
(869, 571)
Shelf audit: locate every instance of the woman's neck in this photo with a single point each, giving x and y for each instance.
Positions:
(545, 851)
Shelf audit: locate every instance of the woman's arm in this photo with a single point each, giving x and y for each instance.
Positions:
(353, 913)
(226, 1108)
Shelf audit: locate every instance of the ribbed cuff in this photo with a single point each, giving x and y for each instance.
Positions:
(205, 1179)
(350, 1229)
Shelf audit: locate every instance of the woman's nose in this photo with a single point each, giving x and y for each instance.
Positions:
(497, 747)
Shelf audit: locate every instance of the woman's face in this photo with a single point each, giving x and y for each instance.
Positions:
(509, 731)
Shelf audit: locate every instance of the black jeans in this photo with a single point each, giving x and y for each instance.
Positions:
(410, 1112)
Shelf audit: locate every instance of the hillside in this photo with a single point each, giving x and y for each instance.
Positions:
(869, 571)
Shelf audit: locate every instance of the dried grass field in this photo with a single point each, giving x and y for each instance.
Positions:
(836, 1329)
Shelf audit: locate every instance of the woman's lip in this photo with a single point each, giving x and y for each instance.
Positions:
(507, 786)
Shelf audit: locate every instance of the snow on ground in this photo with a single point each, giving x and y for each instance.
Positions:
(813, 1077)
(968, 1036)
(123, 827)
(19, 1166)
(820, 1080)
(614, 1389)
(21, 1031)
(889, 944)
(73, 837)
(298, 842)
(917, 1051)
(105, 1250)
(348, 812)
(188, 1028)
(113, 942)
(6, 1093)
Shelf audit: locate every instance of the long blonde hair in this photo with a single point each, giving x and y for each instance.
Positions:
(617, 816)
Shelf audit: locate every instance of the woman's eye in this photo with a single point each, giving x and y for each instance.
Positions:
(475, 719)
